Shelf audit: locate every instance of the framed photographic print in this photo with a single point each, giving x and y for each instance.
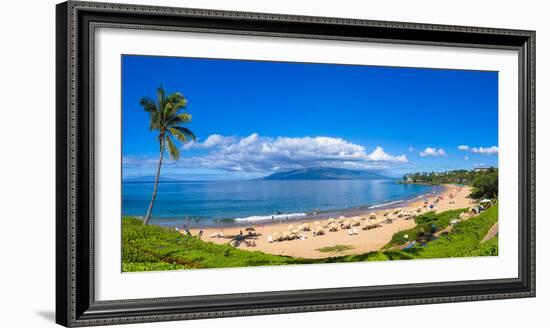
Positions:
(214, 163)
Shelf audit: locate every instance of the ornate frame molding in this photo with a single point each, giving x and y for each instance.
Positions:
(76, 25)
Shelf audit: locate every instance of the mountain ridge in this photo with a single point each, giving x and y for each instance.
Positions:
(325, 173)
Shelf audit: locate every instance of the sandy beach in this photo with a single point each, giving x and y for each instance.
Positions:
(364, 241)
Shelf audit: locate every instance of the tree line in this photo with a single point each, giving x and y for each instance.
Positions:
(484, 181)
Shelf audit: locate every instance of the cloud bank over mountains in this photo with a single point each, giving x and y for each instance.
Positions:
(255, 153)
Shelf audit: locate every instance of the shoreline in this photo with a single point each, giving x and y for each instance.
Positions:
(292, 217)
(363, 241)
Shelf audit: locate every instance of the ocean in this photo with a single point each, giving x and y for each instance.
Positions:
(210, 203)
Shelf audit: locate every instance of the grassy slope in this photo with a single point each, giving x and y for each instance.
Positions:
(464, 240)
(424, 223)
(147, 248)
(155, 248)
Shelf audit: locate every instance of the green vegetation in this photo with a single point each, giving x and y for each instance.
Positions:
(166, 117)
(146, 248)
(464, 240)
(485, 185)
(149, 248)
(372, 256)
(424, 226)
(488, 248)
(335, 248)
(484, 181)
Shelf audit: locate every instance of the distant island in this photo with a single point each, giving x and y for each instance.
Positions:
(325, 173)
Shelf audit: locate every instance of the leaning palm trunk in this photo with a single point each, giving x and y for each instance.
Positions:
(166, 118)
(148, 216)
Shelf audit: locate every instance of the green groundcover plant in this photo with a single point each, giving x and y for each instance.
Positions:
(153, 248)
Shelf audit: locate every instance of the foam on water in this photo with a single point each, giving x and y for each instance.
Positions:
(258, 218)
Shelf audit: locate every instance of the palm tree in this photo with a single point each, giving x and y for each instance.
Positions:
(166, 117)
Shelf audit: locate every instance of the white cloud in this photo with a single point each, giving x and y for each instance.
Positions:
(255, 153)
(379, 155)
(433, 152)
(485, 151)
(480, 150)
(411, 149)
(214, 140)
(466, 157)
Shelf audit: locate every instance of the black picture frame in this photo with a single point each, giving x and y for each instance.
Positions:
(75, 26)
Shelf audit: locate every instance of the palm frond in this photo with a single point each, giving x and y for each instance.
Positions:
(154, 121)
(177, 99)
(160, 98)
(172, 149)
(178, 135)
(185, 133)
(174, 103)
(148, 105)
(181, 118)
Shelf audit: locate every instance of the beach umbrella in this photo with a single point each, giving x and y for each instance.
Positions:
(277, 236)
(250, 229)
(346, 224)
(287, 235)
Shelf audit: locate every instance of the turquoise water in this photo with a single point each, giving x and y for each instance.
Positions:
(211, 202)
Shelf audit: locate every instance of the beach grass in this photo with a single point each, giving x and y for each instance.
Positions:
(336, 248)
(153, 248)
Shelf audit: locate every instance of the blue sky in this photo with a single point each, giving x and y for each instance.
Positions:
(253, 118)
